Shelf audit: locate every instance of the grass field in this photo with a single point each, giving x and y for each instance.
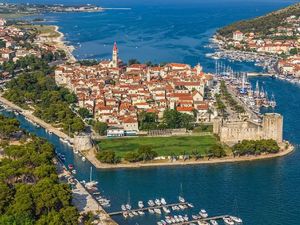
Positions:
(164, 146)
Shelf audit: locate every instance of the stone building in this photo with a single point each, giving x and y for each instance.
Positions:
(233, 131)
(82, 142)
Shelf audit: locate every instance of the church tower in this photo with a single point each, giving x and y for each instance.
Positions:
(115, 56)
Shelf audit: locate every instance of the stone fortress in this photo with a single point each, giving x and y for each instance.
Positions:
(233, 131)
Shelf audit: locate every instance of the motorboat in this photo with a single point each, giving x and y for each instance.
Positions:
(190, 205)
(123, 207)
(135, 213)
(141, 212)
(181, 199)
(83, 158)
(228, 221)
(236, 219)
(203, 213)
(213, 222)
(151, 211)
(157, 202)
(163, 201)
(157, 211)
(166, 210)
(141, 204)
(151, 203)
(128, 206)
(125, 214)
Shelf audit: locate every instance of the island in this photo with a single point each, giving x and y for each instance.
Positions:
(271, 41)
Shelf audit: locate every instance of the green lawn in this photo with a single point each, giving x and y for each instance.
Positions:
(164, 146)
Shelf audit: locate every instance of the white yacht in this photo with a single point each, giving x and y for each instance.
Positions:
(151, 211)
(141, 204)
(236, 219)
(157, 202)
(123, 207)
(228, 221)
(181, 199)
(141, 212)
(151, 203)
(128, 206)
(166, 210)
(158, 211)
(213, 222)
(163, 201)
(203, 213)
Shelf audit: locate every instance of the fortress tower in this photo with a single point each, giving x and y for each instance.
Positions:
(115, 58)
(273, 126)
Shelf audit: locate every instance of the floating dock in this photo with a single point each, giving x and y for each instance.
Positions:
(147, 208)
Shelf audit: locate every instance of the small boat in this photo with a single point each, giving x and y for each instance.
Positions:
(151, 203)
(83, 158)
(130, 214)
(181, 207)
(157, 211)
(190, 205)
(176, 219)
(141, 212)
(195, 217)
(163, 201)
(236, 219)
(74, 171)
(141, 204)
(135, 213)
(159, 223)
(125, 214)
(123, 207)
(128, 206)
(163, 222)
(228, 221)
(203, 213)
(151, 211)
(166, 210)
(157, 202)
(213, 222)
(181, 199)
(186, 218)
(70, 166)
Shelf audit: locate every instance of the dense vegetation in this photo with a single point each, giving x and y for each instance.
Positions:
(172, 119)
(51, 103)
(261, 24)
(255, 147)
(29, 189)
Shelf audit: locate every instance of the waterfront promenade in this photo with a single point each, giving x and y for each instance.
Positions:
(161, 163)
(28, 114)
(82, 199)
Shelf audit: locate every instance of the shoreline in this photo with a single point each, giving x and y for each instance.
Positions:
(229, 159)
(90, 154)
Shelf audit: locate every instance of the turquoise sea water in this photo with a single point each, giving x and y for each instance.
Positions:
(263, 192)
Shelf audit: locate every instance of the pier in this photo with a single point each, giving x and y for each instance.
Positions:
(147, 208)
(204, 219)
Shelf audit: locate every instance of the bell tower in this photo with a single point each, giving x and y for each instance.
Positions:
(115, 56)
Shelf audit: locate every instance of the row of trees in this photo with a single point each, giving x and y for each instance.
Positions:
(172, 119)
(30, 192)
(229, 99)
(250, 147)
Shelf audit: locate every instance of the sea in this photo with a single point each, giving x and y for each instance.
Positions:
(262, 192)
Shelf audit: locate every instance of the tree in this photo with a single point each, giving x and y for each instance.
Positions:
(146, 153)
(100, 128)
(133, 61)
(108, 157)
(147, 120)
(132, 157)
(217, 150)
(84, 113)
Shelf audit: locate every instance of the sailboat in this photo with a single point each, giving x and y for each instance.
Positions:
(91, 184)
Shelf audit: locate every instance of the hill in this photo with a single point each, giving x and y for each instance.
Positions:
(262, 24)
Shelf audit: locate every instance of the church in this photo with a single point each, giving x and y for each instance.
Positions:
(115, 62)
